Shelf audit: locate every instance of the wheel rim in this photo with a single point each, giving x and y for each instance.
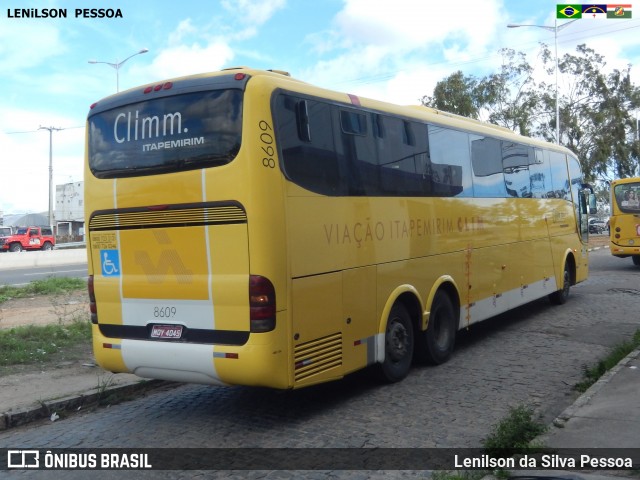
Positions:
(397, 341)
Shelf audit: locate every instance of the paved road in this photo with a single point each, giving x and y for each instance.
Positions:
(25, 267)
(530, 356)
(23, 276)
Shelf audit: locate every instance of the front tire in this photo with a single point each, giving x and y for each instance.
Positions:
(398, 345)
(47, 246)
(636, 259)
(15, 247)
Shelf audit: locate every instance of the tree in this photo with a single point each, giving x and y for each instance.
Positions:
(510, 96)
(595, 107)
(455, 94)
(595, 114)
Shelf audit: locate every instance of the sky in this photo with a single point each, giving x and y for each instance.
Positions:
(394, 51)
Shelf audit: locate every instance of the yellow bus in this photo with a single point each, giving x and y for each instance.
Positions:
(248, 228)
(624, 223)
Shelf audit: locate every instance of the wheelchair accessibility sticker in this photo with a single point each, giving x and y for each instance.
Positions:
(110, 261)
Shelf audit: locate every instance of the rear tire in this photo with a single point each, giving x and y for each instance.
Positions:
(561, 296)
(398, 345)
(636, 259)
(437, 342)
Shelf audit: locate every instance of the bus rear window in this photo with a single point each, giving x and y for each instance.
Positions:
(168, 134)
(628, 197)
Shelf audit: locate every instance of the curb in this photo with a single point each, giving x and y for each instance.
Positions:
(583, 399)
(76, 402)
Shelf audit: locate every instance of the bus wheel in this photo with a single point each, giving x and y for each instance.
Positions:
(560, 297)
(440, 336)
(398, 345)
(636, 259)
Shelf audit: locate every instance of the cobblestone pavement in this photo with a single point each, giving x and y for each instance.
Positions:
(531, 356)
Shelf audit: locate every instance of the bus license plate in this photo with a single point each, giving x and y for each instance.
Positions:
(171, 332)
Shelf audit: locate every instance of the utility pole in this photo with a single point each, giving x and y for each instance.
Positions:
(51, 130)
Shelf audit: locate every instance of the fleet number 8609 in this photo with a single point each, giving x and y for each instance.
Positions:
(164, 312)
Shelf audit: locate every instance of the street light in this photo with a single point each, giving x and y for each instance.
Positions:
(119, 64)
(553, 29)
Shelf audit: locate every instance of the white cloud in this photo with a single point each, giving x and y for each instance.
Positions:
(185, 28)
(253, 12)
(189, 59)
(414, 24)
(383, 45)
(25, 45)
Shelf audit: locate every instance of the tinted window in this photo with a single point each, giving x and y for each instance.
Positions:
(357, 152)
(515, 163)
(353, 123)
(166, 134)
(559, 175)
(311, 161)
(486, 159)
(540, 175)
(403, 154)
(450, 168)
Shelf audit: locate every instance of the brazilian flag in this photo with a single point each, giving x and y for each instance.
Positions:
(569, 11)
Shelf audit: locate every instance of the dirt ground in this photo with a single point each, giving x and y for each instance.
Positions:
(44, 309)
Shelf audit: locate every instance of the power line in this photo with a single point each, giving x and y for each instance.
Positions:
(32, 131)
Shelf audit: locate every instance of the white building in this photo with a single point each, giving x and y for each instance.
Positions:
(68, 213)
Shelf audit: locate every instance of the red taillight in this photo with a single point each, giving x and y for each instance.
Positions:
(92, 300)
(93, 105)
(157, 88)
(239, 76)
(262, 304)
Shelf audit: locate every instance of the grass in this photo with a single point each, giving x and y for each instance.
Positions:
(49, 286)
(592, 374)
(35, 343)
(514, 433)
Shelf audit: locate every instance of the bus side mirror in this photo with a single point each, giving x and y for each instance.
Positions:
(592, 204)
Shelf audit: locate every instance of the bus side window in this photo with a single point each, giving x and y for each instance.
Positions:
(486, 162)
(302, 121)
(310, 162)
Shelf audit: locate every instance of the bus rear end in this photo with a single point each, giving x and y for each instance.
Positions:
(624, 223)
(169, 208)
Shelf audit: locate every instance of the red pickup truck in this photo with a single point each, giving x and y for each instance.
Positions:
(29, 238)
